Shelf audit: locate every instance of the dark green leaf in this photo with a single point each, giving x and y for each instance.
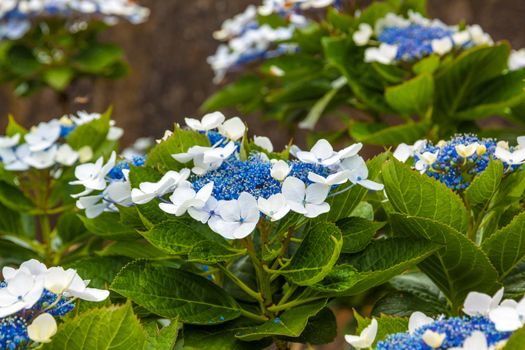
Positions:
(357, 233)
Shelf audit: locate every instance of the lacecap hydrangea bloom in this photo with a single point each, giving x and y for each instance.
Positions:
(232, 193)
(45, 146)
(246, 40)
(487, 325)
(456, 162)
(17, 16)
(395, 38)
(32, 296)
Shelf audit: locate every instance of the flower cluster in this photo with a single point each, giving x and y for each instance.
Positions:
(225, 191)
(488, 324)
(248, 40)
(16, 16)
(32, 296)
(396, 38)
(45, 145)
(109, 181)
(458, 161)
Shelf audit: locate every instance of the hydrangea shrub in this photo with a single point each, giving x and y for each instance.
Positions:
(386, 73)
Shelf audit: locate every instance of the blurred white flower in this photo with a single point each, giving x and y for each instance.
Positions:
(363, 34)
(42, 329)
(517, 59)
(367, 337)
(208, 122)
(417, 320)
(264, 142)
(442, 46)
(43, 136)
(433, 339)
(384, 54)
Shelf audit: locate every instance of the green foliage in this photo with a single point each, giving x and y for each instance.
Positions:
(107, 328)
(171, 292)
(50, 55)
(386, 325)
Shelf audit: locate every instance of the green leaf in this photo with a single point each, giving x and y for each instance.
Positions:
(92, 134)
(318, 109)
(108, 226)
(506, 247)
(316, 255)
(494, 97)
(221, 337)
(99, 270)
(457, 80)
(418, 195)
(133, 249)
(10, 222)
(185, 236)
(59, 78)
(374, 12)
(427, 65)
(14, 199)
(14, 128)
(357, 233)
(514, 283)
(387, 325)
(320, 329)
(485, 186)
(516, 341)
(14, 252)
(377, 264)
(242, 91)
(114, 327)
(414, 96)
(161, 338)
(381, 135)
(290, 323)
(70, 227)
(459, 267)
(172, 293)
(97, 58)
(181, 140)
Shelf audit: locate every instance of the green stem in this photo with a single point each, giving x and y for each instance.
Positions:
(288, 294)
(294, 303)
(45, 228)
(257, 296)
(253, 316)
(262, 276)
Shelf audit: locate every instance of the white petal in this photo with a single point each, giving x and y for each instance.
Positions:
(42, 328)
(263, 142)
(314, 210)
(317, 193)
(506, 319)
(418, 320)
(477, 304)
(294, 189)
(233, 129)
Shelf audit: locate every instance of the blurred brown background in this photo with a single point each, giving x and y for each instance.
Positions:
(170, 77)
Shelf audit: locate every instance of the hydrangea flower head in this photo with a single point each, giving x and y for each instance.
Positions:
(232, 183)
(16, 16)
(456, 162)
(411, 38)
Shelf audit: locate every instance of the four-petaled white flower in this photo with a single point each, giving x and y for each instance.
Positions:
(93, 205)
(43, 136)
(480, 304)
(509, 316)
(280, 170)
(185, 197)
(219, 154)
(466, 151)
(276, 207)
(425, 161)
(309, 201)
(366, 338)
(321, 153)
(362, 35)
(417, 320)
(22, 292)
(42, 329)
(384, 54)
(42, 159)
(147, 191)
(208, 122)
(433, 339)
(66, 155)
(264, 142)
(517, 157)
(238, 218)
(93, 175)
(233, 129)
(208, 213)
(358, 173)
(442, 46)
